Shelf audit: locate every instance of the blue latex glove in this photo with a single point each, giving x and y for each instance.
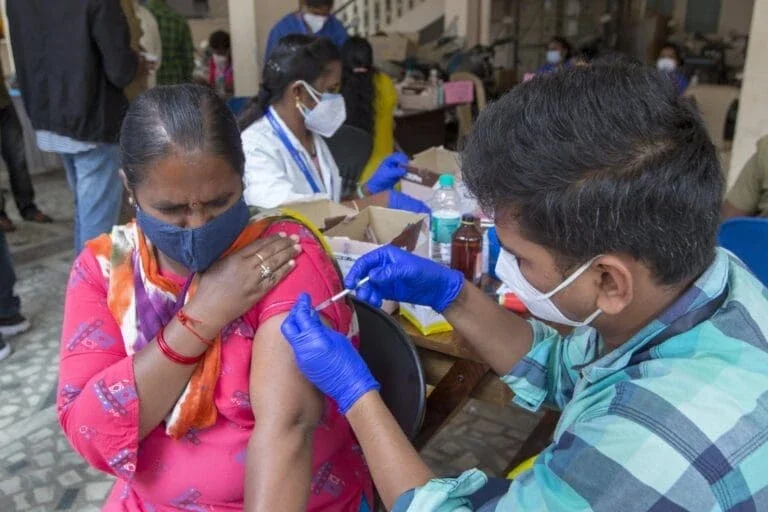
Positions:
(388, 174)
(400, 201)
(326, 358)
(403, 277)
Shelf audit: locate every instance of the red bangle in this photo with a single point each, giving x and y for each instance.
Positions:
(186, 320)
(171, 354)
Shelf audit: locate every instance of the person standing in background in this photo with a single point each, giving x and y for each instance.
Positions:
(12, 151)
(178, 48)
(73, 60)
(11, 320)
(150, 40)
(220, 74)
(313, 18)
(139, 83)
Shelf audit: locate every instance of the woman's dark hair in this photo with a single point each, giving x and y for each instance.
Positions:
(563, 42)
(601, 159)
(220, 41)
(295, 57)
(357, 84)
(675, 48)
(177, 118)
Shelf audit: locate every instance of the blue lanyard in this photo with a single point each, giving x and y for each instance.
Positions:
(293, 151)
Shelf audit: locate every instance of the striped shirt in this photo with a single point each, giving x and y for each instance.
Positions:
(675, 419)
(55, 143)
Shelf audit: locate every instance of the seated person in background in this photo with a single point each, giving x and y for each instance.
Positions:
(749, 195)
(670, 61)
(313, 18)
(220, 75)
(559, 55)
(370, 98)
(174, 375)
(286, 158)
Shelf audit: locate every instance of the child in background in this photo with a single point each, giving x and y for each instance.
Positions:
(220, 75)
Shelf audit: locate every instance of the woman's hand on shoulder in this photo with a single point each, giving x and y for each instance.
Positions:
(238, 281)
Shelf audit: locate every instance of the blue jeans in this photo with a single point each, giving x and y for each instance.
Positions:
(94, 177)
(9, 303)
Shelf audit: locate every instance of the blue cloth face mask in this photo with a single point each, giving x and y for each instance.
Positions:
(196, 248)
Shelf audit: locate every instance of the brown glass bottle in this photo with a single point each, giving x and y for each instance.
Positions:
(466, 249)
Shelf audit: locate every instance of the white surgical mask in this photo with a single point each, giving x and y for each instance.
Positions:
(666, 64)
(554, 57)
(315, 22)
(539, 304)
(327, 116)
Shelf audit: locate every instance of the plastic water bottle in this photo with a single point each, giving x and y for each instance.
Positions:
(446, 219)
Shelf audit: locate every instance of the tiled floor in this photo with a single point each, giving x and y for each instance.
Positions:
(39, 471)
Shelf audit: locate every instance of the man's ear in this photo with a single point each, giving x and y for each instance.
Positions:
(616, 287)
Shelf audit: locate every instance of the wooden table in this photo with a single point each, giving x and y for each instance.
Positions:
(457, 374)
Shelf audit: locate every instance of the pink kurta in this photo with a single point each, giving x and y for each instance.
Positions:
(204, 471)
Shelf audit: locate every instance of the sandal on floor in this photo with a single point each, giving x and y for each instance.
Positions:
(35, 215)
(6, 224)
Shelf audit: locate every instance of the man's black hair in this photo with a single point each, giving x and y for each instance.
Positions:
(318, 3)
(601, 159)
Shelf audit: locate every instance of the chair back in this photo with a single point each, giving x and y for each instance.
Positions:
(747, 238)
(393, 361)
(237, 103)
(351, 148)
(464, 112)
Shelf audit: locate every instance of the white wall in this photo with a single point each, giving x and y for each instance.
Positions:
(249, 24)
(752, 122)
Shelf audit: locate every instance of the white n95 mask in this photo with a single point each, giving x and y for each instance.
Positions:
(539, 304)
(327, 116)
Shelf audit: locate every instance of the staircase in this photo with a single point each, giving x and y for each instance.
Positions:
(368, 17)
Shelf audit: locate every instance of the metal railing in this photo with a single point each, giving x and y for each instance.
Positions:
(367, 17)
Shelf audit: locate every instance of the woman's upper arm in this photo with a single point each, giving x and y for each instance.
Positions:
(280, 395)
(272, 365)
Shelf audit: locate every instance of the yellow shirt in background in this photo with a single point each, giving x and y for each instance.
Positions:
(384, 104)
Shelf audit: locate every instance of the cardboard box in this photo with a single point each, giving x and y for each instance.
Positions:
(374, 227)
(323, 213)
(424, 171)
(393, 47)
(425, 319)
(459, 92)
(418, 96)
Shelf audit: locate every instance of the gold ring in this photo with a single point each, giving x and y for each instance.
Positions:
(261, 258)
(265, 271)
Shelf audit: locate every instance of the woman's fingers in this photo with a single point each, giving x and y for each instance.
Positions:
(267, 246)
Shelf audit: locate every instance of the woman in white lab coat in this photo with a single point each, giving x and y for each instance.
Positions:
(286, 157)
